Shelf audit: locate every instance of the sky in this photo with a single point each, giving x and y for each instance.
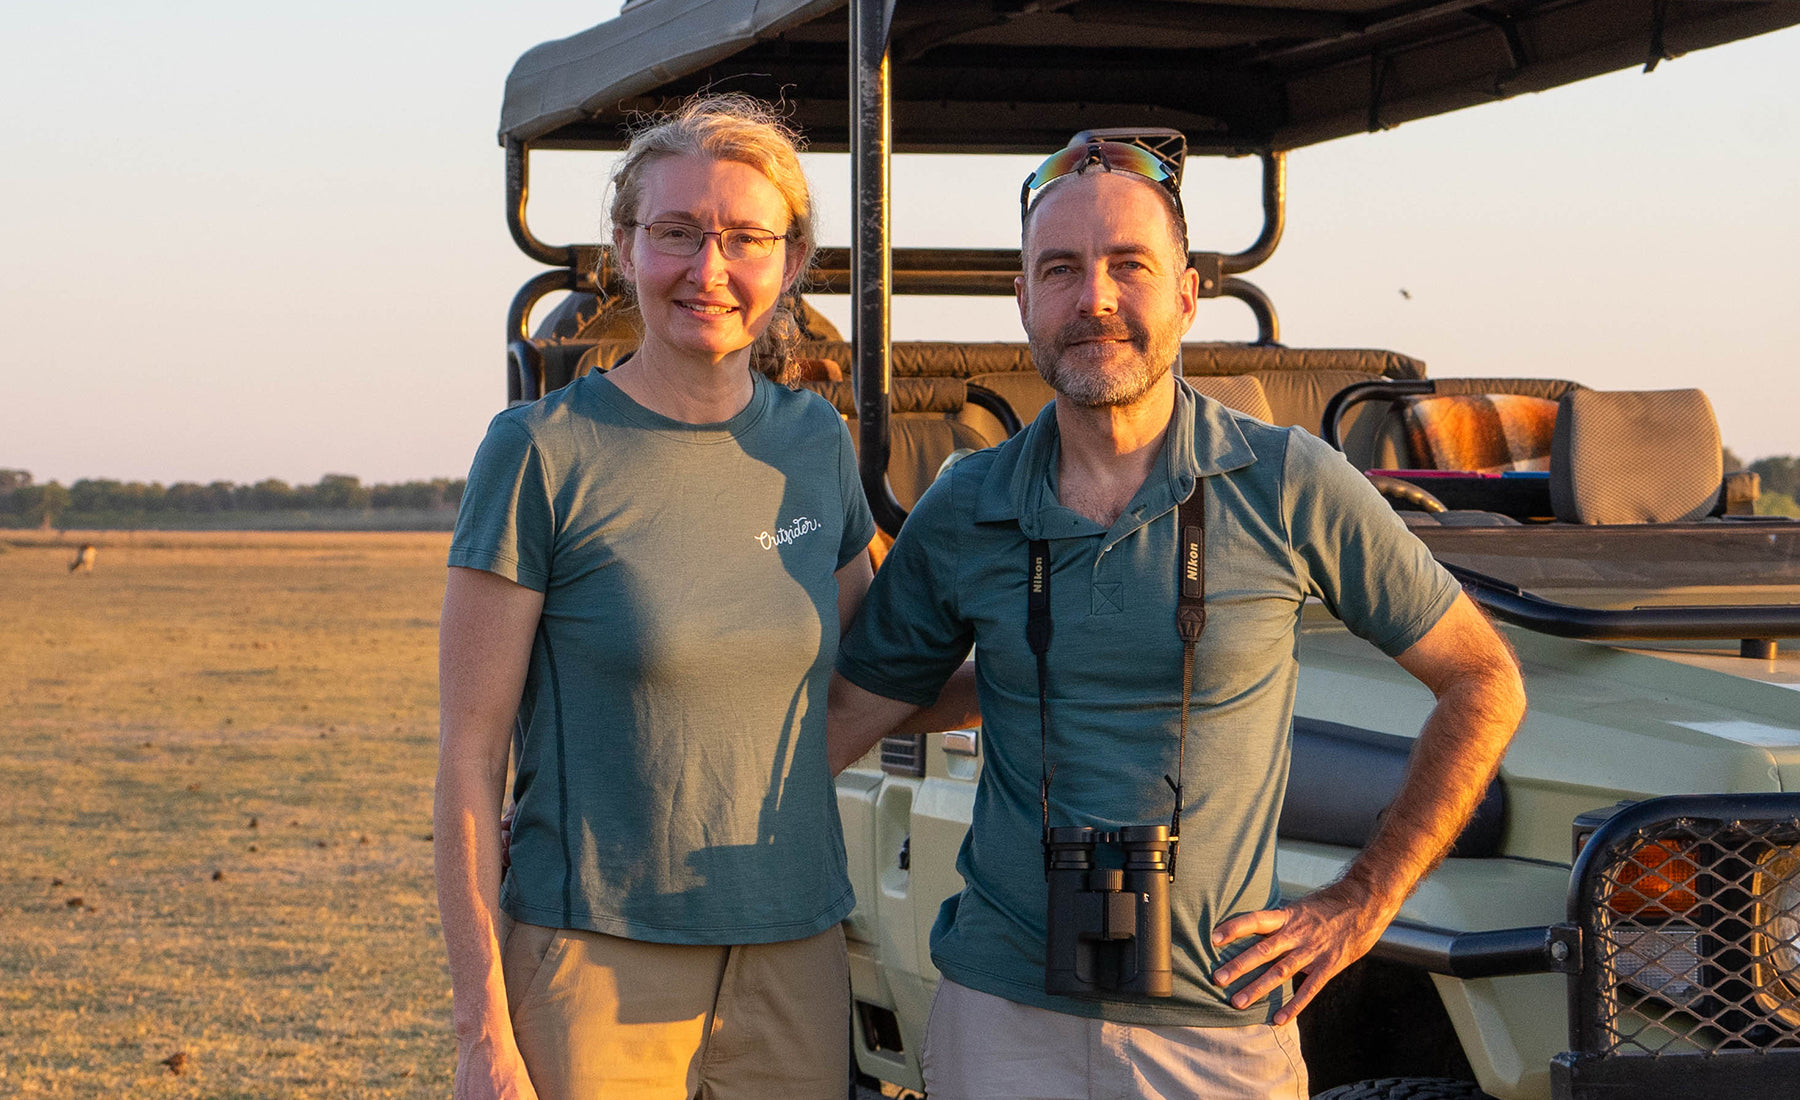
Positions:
(241, 241)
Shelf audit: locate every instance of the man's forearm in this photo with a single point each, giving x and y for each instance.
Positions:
(956, 707)
(1474, 676)
(1457, 756)
(857, 718)
(1480, 700)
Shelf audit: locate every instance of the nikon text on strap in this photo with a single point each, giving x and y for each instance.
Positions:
(1190, 622)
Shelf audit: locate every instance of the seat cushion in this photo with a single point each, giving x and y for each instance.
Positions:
(1635, 456)
(1487, 433)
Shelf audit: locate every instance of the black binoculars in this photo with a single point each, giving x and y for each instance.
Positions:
(1108, 927)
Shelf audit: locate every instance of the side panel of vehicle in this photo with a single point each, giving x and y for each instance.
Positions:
(906, 839)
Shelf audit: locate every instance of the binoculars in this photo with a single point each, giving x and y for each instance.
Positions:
(1108, 927)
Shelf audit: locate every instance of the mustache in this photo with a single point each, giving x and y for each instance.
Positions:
(1101, 328)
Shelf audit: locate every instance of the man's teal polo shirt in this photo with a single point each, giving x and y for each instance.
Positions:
(1287, 518)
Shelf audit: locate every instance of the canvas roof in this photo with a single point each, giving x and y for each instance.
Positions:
(1012, 75)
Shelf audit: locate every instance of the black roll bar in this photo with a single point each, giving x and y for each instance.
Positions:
(1755, 626)
(982, 397)
(518, 192)
(525, 371)
(1541, 949)
(1274, 204)
(1331, 424)
(1268, 325)
(871, 133)
(518, 322)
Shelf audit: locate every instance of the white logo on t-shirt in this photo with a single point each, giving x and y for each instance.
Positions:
(805, 525)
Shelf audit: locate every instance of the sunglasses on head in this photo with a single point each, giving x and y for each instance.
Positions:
(1113, 156)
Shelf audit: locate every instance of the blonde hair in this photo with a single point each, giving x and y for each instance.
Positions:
(739, 128)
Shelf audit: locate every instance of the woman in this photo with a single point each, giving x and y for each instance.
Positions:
(648, 578)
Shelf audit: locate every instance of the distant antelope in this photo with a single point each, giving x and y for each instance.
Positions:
(84, 559)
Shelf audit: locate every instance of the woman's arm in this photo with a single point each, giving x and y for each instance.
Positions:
(484, 648)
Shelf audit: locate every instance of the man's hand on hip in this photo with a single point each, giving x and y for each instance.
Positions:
(1319, 934)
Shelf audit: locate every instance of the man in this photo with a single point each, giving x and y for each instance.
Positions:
(1097, 482)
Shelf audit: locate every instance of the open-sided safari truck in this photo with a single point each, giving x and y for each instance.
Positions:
(1623, 916)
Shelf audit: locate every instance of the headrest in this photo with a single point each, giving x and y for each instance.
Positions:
(1634, 456)
(1234, 391)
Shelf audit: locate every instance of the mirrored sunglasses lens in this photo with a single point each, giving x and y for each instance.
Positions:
(1058, 165)
(1133, 159)
(1117, 156)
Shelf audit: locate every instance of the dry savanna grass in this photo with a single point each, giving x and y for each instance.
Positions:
(217, 764)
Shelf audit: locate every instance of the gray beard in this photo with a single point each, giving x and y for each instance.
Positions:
(1102, 388)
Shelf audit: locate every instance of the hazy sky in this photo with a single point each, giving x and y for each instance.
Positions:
(243, 241)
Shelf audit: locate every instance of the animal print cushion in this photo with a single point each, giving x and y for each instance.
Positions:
(1486, 433)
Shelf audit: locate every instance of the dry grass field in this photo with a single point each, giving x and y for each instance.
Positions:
(216, 757)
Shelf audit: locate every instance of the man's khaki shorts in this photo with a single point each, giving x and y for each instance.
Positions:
(599, 1017)
(982, 1047)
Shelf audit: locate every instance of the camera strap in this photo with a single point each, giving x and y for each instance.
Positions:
(1190, 622)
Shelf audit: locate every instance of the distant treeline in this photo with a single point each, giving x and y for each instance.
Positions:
(102, 502)
(1780, 483)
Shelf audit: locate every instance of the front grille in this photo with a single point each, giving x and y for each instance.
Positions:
(1691, 931)
(903, 755)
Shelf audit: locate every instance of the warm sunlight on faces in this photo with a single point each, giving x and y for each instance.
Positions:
(705, 307)
(1106, 296)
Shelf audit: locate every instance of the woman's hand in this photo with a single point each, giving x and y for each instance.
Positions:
(491, 1069)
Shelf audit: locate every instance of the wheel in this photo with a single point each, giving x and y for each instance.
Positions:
(1405, 492)
(1406, 1088)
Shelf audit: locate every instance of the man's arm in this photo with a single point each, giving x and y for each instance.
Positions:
(856, 719)
(1480, 702)
(483, 652)
(853, 584)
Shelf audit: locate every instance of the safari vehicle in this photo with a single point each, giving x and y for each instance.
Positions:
(1623, 916)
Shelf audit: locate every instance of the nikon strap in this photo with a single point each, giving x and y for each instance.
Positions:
(1190, 622)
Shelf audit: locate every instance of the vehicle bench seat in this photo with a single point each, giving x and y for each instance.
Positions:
(929, 418)
(1296, 382)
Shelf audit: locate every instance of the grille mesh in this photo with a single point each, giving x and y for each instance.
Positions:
(1693, 933)
(903, 755)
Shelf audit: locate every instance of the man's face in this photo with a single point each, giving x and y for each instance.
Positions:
(1105, 295)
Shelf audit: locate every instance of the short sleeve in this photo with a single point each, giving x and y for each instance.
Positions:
(506, 524)
(1355, 553)
(910, 635)
(859, 523)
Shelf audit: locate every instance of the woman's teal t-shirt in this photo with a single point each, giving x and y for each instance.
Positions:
(671, 780)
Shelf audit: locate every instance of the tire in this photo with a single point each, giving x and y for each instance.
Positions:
(1406, 1088)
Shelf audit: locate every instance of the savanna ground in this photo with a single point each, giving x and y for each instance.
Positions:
(216, 758)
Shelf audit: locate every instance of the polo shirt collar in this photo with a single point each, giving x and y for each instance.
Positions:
(1203, 440)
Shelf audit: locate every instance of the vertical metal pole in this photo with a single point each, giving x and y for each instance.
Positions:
(1274, 205)
(871, 259)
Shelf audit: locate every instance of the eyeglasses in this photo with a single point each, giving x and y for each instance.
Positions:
(681, 239)
(1114, 156)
